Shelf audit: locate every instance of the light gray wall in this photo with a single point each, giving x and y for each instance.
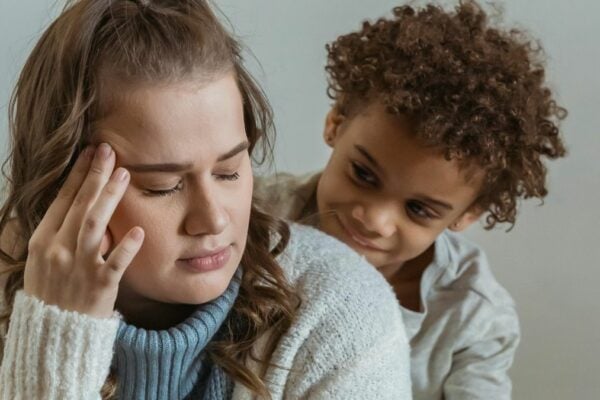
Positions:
(548, 261)
(21, 23)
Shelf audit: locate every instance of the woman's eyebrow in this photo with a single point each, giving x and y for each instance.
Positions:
(161, 167)
(182, 167)
(235, 151)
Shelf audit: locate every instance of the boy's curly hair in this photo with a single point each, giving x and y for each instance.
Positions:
(474, 91)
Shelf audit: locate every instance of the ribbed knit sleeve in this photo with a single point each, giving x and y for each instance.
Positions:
(50, 353)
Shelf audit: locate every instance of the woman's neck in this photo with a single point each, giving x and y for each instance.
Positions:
(150, 314)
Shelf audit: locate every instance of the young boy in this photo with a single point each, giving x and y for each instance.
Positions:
(439, 119)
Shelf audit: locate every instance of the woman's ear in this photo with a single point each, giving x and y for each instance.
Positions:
(466, 219)
(332, 130)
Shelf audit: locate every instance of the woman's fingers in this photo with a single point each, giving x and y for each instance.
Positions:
(98, 175)
(107, 243)
(94, 224)
(123, 254)
(55, 215)
(65, 259)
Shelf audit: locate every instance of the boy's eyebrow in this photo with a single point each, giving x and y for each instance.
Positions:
(423, 198)
(176, 167)
(440, 203)
(368, 156)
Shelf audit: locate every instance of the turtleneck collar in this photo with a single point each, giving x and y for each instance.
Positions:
(170, 364)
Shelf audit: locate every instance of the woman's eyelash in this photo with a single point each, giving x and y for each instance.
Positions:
(166, 192)
(232, 177)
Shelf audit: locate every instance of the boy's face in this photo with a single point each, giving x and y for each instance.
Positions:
(386, 195)
(185, 146)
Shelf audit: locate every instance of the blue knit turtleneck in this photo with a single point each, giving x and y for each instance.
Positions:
(170, 364)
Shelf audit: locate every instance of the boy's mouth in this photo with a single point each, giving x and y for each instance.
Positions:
(356, 237)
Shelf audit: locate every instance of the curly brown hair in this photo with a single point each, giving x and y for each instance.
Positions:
(476, 92)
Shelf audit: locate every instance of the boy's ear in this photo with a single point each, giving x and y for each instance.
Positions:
(332, 130)
(466, 219)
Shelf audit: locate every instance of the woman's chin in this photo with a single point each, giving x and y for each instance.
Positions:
(200, 294)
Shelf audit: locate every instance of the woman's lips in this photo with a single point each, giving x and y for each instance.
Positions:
(358, 238)
(209, 262)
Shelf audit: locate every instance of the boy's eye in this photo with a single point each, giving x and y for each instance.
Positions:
(363, 175)
(418, 209)
(165, 192)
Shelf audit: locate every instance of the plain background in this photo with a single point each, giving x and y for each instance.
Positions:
(548, 261)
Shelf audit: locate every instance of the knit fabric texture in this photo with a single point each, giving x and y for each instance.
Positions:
(346, 341)
(50, 353)
(171, 364)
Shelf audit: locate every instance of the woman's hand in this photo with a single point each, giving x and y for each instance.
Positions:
(65, 266)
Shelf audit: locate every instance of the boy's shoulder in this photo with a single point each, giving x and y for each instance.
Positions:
(464, 293)
(283, 180)
(467, 270)
(285, 195)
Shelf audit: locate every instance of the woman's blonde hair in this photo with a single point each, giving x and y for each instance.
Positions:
(60, 93)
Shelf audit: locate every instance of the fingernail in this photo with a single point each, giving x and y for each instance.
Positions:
(104, 150)
(121, 174)
(89, 152)
(137, 233)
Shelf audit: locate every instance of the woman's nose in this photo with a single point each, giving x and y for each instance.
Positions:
(206, 215)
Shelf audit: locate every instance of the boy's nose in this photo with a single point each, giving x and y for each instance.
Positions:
(379, 220)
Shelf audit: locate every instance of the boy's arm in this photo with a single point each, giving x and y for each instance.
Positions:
(480, 369)
(50, 353)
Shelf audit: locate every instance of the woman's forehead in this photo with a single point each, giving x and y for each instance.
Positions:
(176, 119)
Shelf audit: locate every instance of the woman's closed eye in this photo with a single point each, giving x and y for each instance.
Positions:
(228, 177)
(164, 192)
(172, 190)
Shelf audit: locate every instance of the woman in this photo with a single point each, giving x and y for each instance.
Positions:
(136, 262)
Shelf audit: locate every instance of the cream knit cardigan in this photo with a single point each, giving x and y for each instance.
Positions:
(347, 341)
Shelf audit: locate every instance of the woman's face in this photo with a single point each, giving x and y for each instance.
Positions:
(186, 148)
